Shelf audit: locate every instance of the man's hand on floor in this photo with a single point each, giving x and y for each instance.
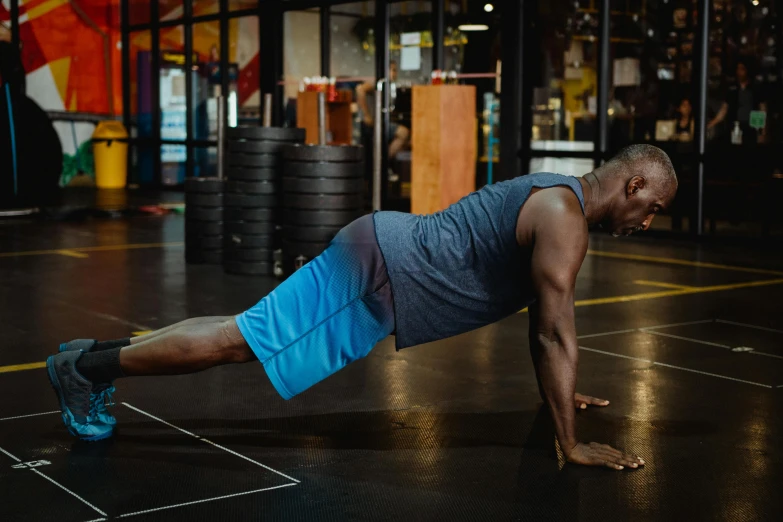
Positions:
(583, 401)
(595, 454)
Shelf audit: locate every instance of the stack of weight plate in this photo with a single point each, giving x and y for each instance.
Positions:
(323, 190)
(204, 220)
(252, 197)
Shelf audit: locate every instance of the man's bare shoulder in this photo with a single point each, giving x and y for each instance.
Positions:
(554, 212)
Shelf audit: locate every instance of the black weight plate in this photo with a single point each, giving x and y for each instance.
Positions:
(204, 242)
(209, 257)
(256, 147)
(310, 234)
(251, 187)
(303, 169)
(252, 174)
(319, 202)
(320, 217)
(248, 254)
(323, 186)
(204, 200)
(251, 200)
(293, 249)
(204, 185)
(250, 227)
(249, 214)
(203, 228)
(247, 241)
(257, 268)
(265, 133)
(196, 213)
(253, 160)
(330, 153)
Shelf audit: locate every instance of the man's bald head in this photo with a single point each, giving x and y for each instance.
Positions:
(638, 182)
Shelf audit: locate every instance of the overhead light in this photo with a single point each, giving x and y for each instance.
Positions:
(489, 8)
(473, 27)
(755, 2)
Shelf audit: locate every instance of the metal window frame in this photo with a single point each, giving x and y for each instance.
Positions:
(516, 111)
(271, 39)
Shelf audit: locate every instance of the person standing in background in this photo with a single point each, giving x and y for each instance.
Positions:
(742, 99)
(399, 135)
(684, 128)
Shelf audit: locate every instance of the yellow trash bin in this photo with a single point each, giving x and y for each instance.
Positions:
(110, 149)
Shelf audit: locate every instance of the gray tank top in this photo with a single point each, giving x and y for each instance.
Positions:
(461, 268)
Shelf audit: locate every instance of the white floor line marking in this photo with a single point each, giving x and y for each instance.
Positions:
(764, 328)
(186, 432)
(68, 491)
(617, 355)
(652, 332)
(16, 459)
(31, 415)
(675, 367)
(202, 501)
(615, 332)
(713, 375)
(765, 354)
(672, 325)
(631, 330)
(97, 520)
(210, 442)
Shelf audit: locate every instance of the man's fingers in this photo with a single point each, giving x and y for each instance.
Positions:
(595, 401)
(617, 458)
(582, 401)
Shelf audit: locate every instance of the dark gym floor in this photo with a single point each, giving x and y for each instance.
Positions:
(448, 431)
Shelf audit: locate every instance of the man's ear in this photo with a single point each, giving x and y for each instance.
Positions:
(635, 185)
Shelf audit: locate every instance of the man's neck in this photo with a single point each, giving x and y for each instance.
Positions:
(596, 206)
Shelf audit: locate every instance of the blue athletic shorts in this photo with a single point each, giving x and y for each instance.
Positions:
(330, 312)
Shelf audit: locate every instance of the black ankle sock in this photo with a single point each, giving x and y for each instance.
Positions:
(100, 367)
(108, 345)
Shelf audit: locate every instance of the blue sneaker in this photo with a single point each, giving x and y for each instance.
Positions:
(73, 392)
(101, 395)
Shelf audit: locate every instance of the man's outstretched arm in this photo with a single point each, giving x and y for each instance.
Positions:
(560, 244)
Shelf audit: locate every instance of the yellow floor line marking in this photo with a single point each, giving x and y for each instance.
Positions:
(583, 302)
(72, 253)
(672, 293)
(684, 262)
(81, 250)
(37, 365)
(644, 282)
(20, 367)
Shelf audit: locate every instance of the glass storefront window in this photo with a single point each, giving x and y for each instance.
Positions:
(243, 55)
(301, 56)
(138, 12)
(565, 77)
(207, 79)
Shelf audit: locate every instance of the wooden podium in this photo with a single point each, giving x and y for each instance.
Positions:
(443, 146)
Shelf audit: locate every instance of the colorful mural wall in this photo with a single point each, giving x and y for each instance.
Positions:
(71, 51)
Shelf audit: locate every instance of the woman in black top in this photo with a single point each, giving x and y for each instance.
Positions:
(684, 129)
